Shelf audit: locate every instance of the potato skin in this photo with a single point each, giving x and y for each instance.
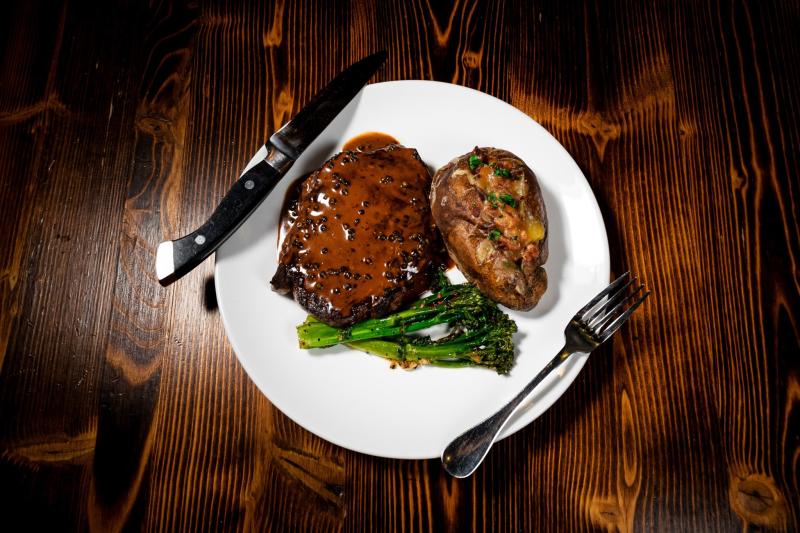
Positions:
(488, 219)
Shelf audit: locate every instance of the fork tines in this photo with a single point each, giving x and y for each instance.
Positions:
(607, 311)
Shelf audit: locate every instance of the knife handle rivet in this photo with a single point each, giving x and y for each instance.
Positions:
(249, 184)
(200, 239)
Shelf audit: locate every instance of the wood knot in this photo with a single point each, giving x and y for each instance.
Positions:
(157, 126)
(319, 476)
(599, 130)
(606, 514)
(686, 129)
(757, 500)
(738, 180)
(51, 103)
(59, 448)
(471, 59)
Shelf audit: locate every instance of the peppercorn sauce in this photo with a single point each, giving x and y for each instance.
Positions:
(360, 240)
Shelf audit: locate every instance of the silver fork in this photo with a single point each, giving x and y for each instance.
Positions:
(588, 329)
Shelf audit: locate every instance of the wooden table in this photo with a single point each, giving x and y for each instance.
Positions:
(122, 405)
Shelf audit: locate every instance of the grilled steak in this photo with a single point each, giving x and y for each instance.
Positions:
(362, 243)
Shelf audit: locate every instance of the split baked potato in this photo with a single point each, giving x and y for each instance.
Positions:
(488, 207)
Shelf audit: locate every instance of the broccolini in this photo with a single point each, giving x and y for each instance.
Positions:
(480, 334)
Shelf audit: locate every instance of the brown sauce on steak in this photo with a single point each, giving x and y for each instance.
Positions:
(289, 208)
(365, 142)
(361, 241)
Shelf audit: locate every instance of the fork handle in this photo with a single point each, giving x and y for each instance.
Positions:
(467, 451)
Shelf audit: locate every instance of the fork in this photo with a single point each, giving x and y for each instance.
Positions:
(588, 329)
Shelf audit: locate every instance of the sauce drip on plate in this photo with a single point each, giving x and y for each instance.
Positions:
(371, 140)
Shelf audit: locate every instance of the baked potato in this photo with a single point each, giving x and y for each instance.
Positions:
(489, 209)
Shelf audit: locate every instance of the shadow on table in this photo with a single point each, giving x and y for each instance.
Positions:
(210, 294)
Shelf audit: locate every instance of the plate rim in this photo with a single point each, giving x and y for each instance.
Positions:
(508, 430)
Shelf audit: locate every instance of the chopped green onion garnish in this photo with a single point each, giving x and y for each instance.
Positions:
(474, 162)
(492, 198)
(503, 173)
(508, 200)
(494, 235)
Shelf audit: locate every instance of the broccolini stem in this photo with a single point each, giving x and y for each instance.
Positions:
(427, 354)
(451, 355)
(443, 307)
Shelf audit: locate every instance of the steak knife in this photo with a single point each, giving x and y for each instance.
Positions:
(176, 258)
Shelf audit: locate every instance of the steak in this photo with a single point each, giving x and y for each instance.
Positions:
(362, 242)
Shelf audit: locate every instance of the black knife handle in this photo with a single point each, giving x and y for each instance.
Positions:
(243, 198)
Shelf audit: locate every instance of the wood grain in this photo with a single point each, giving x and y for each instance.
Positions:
(122, 405)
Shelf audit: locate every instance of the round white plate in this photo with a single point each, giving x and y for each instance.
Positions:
(355, 400)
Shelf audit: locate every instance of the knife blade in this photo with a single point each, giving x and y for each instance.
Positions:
(176, 258)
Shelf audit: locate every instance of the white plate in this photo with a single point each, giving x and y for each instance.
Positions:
(355, 400)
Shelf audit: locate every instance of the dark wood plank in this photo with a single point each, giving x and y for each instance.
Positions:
(140, 337)
(65, 118)
(122, 405)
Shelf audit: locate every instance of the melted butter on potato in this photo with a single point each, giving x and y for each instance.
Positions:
(535, 230)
